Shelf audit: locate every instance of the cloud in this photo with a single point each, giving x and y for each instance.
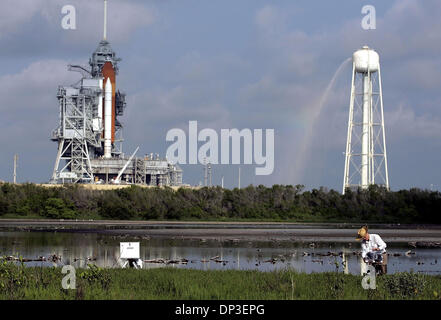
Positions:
(272, 73)
(29, 114)
(32, 91)
(195, 87)
(176, 106)
(124, 18)
(14, 14)
(419, 74)
(408, 42)
(403, 122)
(269, 18)
(405, 30)
(30, 27)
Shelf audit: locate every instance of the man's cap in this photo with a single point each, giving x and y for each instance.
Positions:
(361, 233)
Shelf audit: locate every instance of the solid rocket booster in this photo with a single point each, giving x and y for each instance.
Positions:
(107, 119)
(100, 105)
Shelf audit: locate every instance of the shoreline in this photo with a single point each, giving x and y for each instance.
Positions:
(4, 221)
(228, 231)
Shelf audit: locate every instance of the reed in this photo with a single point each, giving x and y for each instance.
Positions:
(20, 282)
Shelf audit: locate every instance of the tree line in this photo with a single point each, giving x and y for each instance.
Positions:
(279, 202)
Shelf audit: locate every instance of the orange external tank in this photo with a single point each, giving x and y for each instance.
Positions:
(109, 72)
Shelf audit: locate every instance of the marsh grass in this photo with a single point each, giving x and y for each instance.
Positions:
(20, 282)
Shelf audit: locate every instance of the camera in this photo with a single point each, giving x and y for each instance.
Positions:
(374, 257)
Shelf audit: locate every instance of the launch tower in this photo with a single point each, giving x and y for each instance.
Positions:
(89, 135)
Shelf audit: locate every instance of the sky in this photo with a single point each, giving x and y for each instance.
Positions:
(256, 64)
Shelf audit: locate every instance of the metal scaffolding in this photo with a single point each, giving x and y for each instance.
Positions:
(89, 134)
(366, 157)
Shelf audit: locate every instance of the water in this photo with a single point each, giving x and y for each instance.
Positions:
(79, 249)
(302, 153)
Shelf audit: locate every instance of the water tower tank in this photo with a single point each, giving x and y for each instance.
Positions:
(365, 59)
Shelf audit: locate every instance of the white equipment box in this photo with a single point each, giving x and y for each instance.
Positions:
(129, 250)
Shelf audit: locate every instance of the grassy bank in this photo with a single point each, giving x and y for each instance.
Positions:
(18, 282)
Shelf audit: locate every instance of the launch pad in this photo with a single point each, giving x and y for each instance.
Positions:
(151, 171)
(89, 134)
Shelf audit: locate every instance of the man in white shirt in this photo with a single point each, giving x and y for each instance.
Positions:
(371, 246)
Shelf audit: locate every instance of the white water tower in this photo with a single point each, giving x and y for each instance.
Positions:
(365, 158)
